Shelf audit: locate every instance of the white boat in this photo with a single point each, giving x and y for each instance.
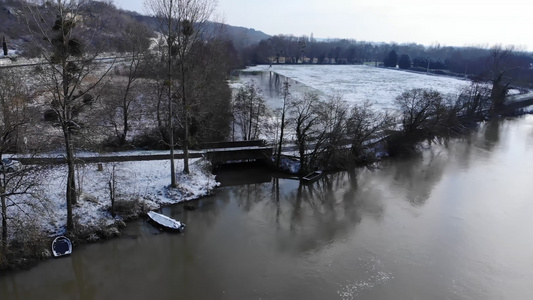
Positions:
(61, 246)
(166, 222)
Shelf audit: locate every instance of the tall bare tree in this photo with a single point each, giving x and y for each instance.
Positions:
(285, 93)
(421, 110)
(63, 34)
(474, 101)
(366, 123)
(498, 75)
(304, 114)
(249, 109)
(182, 23)
(333, 132)
(14, 100)
(135, 42)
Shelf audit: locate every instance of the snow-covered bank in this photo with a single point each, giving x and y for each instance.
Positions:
(146, 182)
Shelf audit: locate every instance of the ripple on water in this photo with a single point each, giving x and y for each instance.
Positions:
(374, 276)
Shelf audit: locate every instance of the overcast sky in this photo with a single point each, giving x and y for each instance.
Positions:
(448, 22)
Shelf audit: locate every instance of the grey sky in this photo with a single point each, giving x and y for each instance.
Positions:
(448, 22)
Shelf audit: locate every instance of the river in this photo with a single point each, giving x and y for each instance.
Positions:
(452, 223)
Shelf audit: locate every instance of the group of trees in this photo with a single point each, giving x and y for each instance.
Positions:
(427, 114)
(320, 127)
(331, 134)
(172, 89)
(469, 61)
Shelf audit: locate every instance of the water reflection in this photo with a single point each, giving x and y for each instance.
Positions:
(416, 177)
(452, 223)
(491, 134)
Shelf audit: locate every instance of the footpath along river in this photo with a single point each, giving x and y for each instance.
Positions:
(452, 223)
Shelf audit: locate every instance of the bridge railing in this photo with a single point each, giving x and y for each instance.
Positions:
(239, 144)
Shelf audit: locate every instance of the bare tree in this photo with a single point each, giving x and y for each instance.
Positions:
(364, 124)
(421, 110)
(333, 132)
(249, 109)
(182, 23)
(474, 102)
(286, 94)
(71, 74)
(13, 116)
(497, 75)
(304, 114)
(122, 94)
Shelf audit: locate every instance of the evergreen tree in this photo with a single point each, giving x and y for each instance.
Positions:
(4, 45)
(391, 60)
(404, 62)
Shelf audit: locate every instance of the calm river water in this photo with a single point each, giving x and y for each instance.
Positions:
(453, 223)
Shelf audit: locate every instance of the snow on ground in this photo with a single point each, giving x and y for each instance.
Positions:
(145, 181)
(148, 181)
(357, 83)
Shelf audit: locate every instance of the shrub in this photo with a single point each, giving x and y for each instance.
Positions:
(128, 209)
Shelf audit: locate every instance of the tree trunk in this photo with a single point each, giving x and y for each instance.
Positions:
(278, 157)
(4, 45)
(497, 95)
(301, 149)
(282, 129)
(71, 180)
(186, 109)
(173, 183)
(125, 123)
(4, 222)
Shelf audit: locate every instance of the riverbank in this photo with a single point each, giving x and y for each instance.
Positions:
(37, 216)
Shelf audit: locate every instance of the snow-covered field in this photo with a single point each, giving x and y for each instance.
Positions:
(143, 181)
(357, 83)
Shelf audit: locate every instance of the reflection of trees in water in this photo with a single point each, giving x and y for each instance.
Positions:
(305, 217)
(83, 286)
(491, 134)
(530, 135)
(249, 195)
(480, 142)
(462, 149)
(418, 176)
(323, 212)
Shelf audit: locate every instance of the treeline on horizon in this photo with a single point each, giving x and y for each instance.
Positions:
(472, 61)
